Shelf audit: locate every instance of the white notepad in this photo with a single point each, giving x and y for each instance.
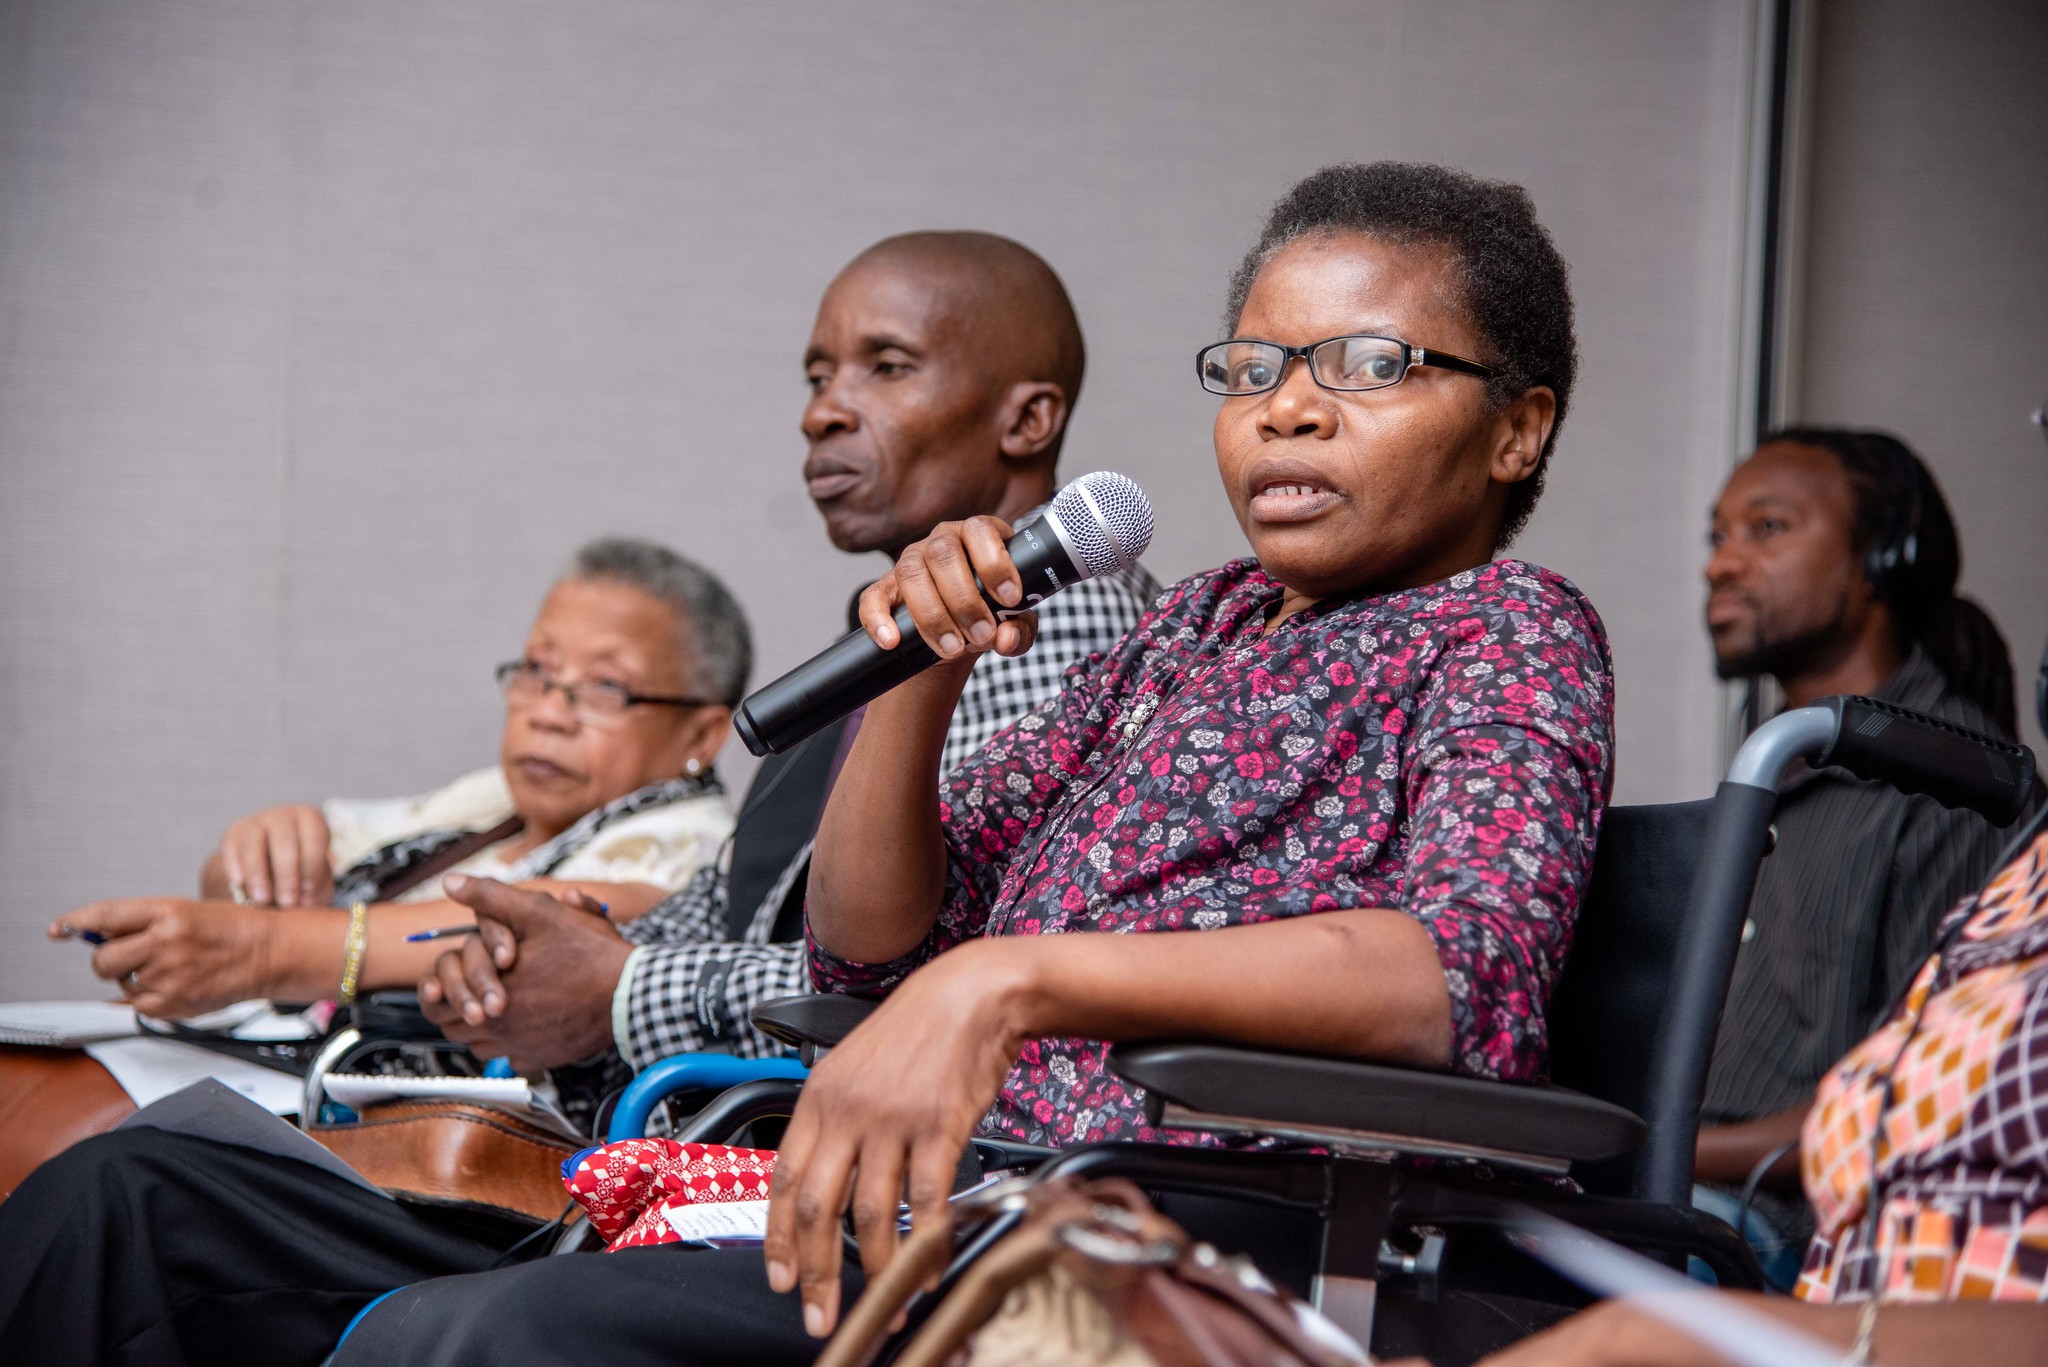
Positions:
(65, 1024)
(719, 1221)
(514, 1094)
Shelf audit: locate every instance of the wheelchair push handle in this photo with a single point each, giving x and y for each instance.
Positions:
(1909, 750)
(1871, 739)
(1915, 753)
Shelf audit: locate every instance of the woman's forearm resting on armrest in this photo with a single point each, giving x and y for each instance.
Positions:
(1362, 983)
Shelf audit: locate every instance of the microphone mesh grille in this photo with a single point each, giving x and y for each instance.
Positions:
(1109, 519)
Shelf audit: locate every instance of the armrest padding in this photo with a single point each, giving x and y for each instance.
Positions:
(1296, 1089)
(821, 1019)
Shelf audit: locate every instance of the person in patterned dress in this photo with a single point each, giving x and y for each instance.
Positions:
(1363, 770)
(1937, 1126)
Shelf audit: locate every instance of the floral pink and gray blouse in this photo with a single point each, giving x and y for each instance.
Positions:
(1445, 750)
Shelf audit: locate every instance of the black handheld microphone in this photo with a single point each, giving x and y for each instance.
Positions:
(1099, 524)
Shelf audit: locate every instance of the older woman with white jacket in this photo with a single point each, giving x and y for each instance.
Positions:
(603, 791)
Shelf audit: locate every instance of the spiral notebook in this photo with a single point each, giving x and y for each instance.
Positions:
(513, 1094)
(65, 1025)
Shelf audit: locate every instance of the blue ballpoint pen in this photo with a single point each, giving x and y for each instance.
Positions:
(444, 933)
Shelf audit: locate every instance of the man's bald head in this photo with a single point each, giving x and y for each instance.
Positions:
(942, 366)
(1018, 313)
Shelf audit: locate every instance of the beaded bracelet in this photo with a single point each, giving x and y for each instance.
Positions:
(352, 954)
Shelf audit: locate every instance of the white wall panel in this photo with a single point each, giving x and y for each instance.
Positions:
(328, 329)
(1926, 309)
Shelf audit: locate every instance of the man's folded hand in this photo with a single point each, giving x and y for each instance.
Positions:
(535, 983)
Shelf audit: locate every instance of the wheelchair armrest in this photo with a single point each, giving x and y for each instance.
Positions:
(816, 1021)
(1356, 1105)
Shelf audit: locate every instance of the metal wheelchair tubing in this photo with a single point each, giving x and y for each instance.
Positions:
(316, 1075)
(1762, 760)
(1731, 854)
(681, 1072)
(738, 1107)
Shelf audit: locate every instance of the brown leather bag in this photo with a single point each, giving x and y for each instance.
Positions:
(446, 1153)
(436, 1152)
(1092, 1275)
(49, 1100)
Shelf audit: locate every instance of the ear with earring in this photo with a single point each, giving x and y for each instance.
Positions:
(693, 766)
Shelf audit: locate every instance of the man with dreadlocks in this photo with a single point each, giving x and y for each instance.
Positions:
(1834, 570)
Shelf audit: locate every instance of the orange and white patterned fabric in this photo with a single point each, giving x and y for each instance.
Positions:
(625, 1187)
(1962, 1162)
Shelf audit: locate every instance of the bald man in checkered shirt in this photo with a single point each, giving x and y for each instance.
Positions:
(942, 370)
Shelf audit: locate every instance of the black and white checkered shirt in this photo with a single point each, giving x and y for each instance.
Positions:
(689, 986)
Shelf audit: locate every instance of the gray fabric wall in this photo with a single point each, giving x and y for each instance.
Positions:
(327, 329)
(1926, 308)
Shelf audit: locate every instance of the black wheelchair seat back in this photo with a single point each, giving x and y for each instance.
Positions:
(1613, 995)
(1632, 1022)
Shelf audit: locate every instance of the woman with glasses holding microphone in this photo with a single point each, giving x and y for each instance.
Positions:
(614, 713)
(1338, 796)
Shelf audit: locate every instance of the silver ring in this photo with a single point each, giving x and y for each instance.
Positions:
(133, 980)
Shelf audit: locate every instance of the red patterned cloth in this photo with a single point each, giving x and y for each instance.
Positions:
(626, 1186)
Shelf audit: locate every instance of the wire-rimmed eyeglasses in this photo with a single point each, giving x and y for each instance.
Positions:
(525, 683)
(1349, 364)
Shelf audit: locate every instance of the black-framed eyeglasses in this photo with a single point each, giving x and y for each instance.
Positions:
(1348, 364)
(526, 683)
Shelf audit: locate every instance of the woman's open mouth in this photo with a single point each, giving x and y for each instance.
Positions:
(1290, 501)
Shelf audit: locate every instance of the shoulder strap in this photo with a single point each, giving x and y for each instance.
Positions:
(447, 857)
(778, 819)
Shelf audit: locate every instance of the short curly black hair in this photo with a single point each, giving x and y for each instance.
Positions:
(1512, 281)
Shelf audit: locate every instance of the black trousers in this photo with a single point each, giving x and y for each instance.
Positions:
(671, 1306)
(665, 1306)
(145, 1248)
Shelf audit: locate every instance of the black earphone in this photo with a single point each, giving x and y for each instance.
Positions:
(1890, 561)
